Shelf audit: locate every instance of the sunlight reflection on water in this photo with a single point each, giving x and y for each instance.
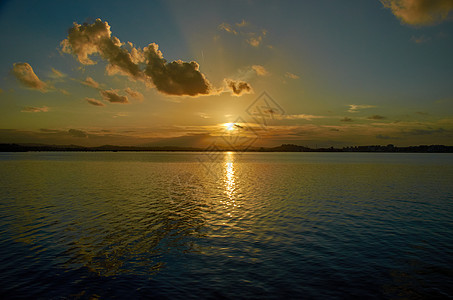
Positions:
(258, 224)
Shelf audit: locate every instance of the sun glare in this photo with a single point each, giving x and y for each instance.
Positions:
(229, 126)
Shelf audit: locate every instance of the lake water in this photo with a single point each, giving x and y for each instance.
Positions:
(168, 225)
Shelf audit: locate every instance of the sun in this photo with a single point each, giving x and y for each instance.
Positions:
(229, 126)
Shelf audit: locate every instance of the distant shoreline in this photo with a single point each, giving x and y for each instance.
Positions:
(281, 148)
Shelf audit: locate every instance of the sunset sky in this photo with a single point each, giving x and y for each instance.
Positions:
(187, 73)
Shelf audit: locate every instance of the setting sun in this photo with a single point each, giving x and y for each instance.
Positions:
(229, 126)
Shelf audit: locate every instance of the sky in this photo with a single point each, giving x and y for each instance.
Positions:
(202, 73)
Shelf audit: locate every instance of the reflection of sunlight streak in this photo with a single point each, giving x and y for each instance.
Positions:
(229, 178)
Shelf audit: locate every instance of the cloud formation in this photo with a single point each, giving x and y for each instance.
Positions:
(238, 87)
(302, 117)
(376, 117)
(420, 12)
(134, 94)
(94, 102)
(291, 75)
(113, 96)
(35, 109)
(77, 133)
(253, 38)
(24, 73)
(260, 70)
(175, 78)
(421, 39)
(228, 28)
(90, 82)
(346, 119)
(353, 108)
(57, 74)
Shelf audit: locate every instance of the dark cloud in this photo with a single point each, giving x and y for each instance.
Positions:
(95, 102)
(376, 117)
(175, 78)
(113, 97)
(77, 133)
(24, 73)
(238, 87)
(420, 12)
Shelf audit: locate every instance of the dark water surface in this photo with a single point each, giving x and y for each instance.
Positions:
(255, 225)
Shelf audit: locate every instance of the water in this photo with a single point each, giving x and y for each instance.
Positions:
(168, 225)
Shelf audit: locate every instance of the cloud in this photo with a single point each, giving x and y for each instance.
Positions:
(291, 75)
(94, 102)
(203, 115)
(175, 78)
(24, 73)
(77, 133)
(238, 87)
(386, 137)
(421, 39)
(255, 41)
(87, 39)
(64, 92)
(353, 108)
(35, 109)
(302, 117)
(57, 74)
(420, 12)
(253, 38)
(113, 97)
(120, 114)
(90, 82)
(346, 119)
(134, 94)
(242, 24)
(260, 70)
(376, 117)
(228, 28)
(428, 131)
